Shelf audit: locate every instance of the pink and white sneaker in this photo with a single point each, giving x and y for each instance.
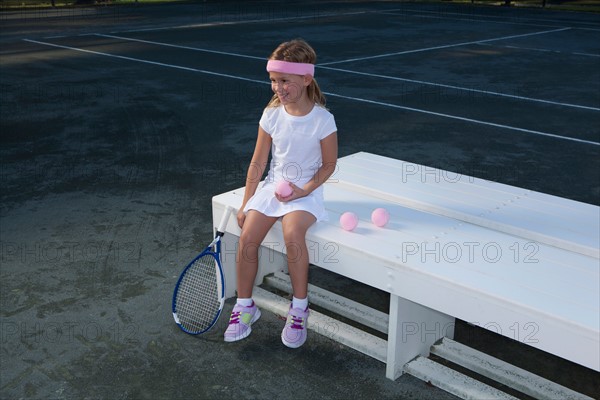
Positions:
(241, 321)
(294, 332)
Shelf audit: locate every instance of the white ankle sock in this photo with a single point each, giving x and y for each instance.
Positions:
(244, 302)
(300, 304)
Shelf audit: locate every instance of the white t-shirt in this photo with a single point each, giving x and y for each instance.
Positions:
(296, 142)
(295, 157)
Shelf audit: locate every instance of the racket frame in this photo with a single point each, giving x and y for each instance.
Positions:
(220, 282)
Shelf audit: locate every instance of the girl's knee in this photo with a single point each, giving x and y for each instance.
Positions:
(292, 235)
(248, 248)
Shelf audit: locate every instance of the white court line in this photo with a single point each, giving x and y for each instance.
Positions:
(446, 18)
(445, 46)
(181, 47)
(326, 93)
(249, 21)
(508, 16)
(317, 15)
(470, 90)
(541, 50)
(464, 119)
(587, 54)
(146, 61)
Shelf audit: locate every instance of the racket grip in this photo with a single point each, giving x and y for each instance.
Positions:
(224, 219)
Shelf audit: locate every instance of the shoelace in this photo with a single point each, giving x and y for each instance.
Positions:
(297, 322)
(235, 317)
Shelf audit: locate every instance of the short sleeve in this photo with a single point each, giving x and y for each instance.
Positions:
(328, 127)
(266, 121)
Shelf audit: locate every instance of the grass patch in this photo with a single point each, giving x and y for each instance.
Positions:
(564, 5)
(11, 4)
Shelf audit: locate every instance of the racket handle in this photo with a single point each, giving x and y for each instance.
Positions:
(224, 219)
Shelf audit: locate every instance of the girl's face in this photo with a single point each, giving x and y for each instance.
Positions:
(288, 88)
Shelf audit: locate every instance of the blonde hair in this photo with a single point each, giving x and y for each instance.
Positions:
(298, 50)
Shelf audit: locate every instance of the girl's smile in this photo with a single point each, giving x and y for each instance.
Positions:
(291, 91)
(287, 87)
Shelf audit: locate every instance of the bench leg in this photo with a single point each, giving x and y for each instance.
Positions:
(412, 330)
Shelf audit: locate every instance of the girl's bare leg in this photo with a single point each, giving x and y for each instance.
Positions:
(295, 225)
(256, 226)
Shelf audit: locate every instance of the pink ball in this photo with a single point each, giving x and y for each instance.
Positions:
(348, 220)
(283, 189)
(380, 217)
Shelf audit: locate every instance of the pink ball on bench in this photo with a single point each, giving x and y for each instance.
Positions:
(380, 217)
(348, 221)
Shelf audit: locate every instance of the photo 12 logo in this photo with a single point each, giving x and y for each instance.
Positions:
(453, 252)
(55, 252)
(318, 253)
(66, 332)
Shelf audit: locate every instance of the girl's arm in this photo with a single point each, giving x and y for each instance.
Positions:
(255, 170)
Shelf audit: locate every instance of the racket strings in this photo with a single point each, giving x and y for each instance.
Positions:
(198, 300)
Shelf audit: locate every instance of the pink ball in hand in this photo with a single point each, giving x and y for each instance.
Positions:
(380, 217)
(348, 220)
(284, 189)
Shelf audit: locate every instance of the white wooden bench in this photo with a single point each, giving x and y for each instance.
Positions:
(517, 262)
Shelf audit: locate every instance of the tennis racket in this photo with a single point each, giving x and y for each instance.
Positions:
(199, 294)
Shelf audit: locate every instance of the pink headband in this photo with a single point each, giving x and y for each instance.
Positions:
(293, 68)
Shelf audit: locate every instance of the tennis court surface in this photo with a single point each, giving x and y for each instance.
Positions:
(119, 124)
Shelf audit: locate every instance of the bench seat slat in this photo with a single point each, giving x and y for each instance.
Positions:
(409, 226)
(533, 215)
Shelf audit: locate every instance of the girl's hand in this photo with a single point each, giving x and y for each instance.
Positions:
(241, 217)
(297, 192)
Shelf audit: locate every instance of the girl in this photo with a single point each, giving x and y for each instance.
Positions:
(302, 138)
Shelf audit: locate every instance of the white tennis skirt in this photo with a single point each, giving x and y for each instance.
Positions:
(264, 201)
